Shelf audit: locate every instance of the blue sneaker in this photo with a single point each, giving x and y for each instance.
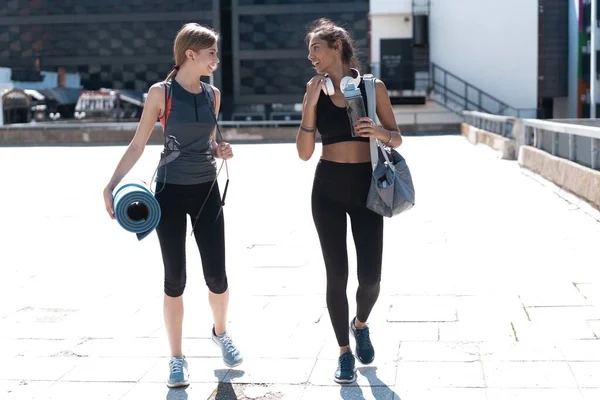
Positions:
(179, 375)
(364, 348)
(345, 373)
(232, 357)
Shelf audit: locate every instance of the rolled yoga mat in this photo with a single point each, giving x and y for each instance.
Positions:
(136, 209)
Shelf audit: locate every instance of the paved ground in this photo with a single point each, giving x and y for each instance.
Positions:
(490, 288)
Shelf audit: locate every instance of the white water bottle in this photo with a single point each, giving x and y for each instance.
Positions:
(355, 105)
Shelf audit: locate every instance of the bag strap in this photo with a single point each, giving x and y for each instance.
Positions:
(163, 122)
(211, 98)
(167, 109)
(212, 101)
(374, 143)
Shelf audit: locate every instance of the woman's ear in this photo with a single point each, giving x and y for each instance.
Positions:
(338, 46)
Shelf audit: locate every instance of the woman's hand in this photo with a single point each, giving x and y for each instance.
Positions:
(313, 90)
(365, 127)
(108, 202)
(224, 151)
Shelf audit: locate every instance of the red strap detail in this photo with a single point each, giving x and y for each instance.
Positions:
(163, 120)
(214, 96)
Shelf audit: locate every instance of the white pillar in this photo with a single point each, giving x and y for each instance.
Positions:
(593, 75)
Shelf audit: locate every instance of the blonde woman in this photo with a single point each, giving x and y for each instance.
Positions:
(187, 110)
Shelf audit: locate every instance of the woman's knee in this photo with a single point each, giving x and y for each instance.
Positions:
(369, 281)
(174, 288)
(217, 284)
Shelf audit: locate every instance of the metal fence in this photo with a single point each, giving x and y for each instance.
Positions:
(578, 143)
(574, 140)
(458, 94)
(499, 124)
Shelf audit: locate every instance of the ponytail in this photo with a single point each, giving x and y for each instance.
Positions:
(173, 72)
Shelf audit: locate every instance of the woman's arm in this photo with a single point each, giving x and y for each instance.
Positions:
(388, 133)
(153, 108)
(305, 138)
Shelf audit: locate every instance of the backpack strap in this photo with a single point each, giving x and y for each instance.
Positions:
(211, 95)
(374, 143)
(369, 80)
(211, 98)
(167, 111)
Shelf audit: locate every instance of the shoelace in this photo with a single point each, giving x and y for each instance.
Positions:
(226, 340)
(346, 361)
(362, 337)
(176, 365)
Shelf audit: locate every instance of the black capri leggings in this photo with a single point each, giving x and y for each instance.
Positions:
(341, 189)
(176, 203)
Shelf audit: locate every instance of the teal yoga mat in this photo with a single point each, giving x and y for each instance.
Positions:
(136, 208)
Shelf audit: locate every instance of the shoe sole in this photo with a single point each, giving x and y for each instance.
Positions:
(345, 381)
(356, 350)
(178, 384)
(224, 362)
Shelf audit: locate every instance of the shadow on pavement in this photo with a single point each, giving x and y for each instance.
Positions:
(379, 390)
(224, 390)
(177, 394)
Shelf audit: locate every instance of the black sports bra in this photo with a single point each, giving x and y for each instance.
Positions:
(332, 121)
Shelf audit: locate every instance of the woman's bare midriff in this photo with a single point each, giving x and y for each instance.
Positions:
(347, 152)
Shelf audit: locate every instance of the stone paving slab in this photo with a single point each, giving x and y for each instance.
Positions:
(485, 294)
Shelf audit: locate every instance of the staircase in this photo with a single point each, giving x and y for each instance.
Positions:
(458, 95)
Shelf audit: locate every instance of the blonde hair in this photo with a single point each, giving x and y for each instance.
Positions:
(191, 36)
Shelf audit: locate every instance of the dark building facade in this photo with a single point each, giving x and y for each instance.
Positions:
(128, 44)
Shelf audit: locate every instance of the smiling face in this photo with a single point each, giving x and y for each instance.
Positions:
(204, 61)
(329, 47)
(321, 55)
(196, 45)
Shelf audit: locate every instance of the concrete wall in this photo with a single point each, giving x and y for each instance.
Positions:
(120, 133)
(505, 146)
(491, 44)
(577, 179)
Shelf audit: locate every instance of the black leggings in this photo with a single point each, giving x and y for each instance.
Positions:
(176, 202)
(341, 189)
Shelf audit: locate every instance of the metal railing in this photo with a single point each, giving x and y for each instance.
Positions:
(574, 140)
(417, 117)
(458, 95)
(500, 124)
(578, 143)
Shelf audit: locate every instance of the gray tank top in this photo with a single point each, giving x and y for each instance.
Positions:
(188, 123)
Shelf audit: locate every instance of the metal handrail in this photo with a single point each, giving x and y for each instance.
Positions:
(464, 100)
(491, 122)
(561, 127)
(491, 117)
(534, 130)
